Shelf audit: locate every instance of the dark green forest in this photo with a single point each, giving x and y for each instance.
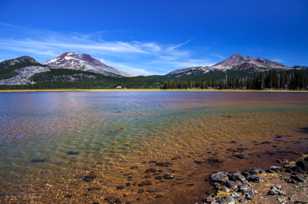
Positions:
(294, 79)
(272, 79)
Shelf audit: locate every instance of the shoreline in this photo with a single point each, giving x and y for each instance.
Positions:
(283, 183)
(152, 90)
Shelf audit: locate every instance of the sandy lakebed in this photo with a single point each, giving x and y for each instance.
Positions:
(141, 147)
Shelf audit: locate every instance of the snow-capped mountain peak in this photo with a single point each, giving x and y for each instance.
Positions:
(237, 61)
(83, 62)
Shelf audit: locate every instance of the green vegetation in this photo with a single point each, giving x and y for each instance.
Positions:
(232, 79)
(294, 79)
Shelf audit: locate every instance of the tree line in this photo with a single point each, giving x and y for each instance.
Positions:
(273, 79)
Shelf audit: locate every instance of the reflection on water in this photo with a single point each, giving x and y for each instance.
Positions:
(45, 136)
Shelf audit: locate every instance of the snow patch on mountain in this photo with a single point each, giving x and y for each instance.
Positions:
(190, 70)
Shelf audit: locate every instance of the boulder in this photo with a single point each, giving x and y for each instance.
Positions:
(219, 177)
(237, 176)
(302, 164)
(253, 178)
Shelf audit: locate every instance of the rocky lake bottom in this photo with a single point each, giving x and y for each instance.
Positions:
(149, 147)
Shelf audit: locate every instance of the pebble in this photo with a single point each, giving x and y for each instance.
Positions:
(120, 187)
(275, 168)
(168, 176)
(231, 184)
(253, 178)
(237, 176)
(150, 170)
(276, 190)
(163, 164)
(140, 190)
(152, 190)
(72, 152)
(113, 200)
(239, 156)
(145, 183)
(302, 164)
(226, 200)
(213, 161)
(88, 178)
(297, 178)
(199, 161)
(38, 160)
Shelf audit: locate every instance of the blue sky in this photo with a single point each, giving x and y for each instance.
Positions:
(154, 37)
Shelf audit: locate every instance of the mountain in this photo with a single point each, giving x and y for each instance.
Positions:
(189, 71)
(238, 62)
(71, 70)
(83, 62)
(18, 71)
(235, 63)
(18, 62)
(68, 67)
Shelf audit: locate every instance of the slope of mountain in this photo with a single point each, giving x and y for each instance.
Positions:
(9, 67)
(190, 71)
(235, 63)
(247, 63)
(23, 75)
(83, 62)
(18, 71)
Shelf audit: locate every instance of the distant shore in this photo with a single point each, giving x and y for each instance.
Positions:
(149, 90)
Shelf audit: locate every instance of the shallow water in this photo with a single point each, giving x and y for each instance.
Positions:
(49, 141)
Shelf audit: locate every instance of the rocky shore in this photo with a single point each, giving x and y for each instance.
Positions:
(283, 184)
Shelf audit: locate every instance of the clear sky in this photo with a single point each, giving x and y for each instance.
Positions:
(156, 36)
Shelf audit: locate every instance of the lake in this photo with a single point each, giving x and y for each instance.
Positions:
(141, 147)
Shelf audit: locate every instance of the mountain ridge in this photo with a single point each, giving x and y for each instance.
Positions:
(65, 71)
(236, 60)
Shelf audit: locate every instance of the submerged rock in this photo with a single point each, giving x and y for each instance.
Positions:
(253, 178)
(168, 176)
(88, 178)
(120, 187)
(163, 164)
(140, 190)
(247, 191)
(152, 190)
(219, 177)
(239, 156)
(237, 176)
(150, 170)
(275, 169)
(214, 161)
(113, 200)
(38, 160)
(225, 200)
(302, 164)
(295, 178)
(145, 183)
(158, 177)
(72, 152)
(199, 161)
